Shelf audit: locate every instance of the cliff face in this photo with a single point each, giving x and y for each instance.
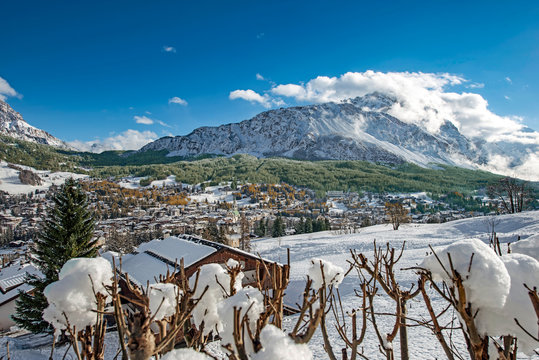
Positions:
(12, 124)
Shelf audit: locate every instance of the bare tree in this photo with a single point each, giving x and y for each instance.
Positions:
(513, 194)
(490, 223)
(397, 214)
(382, 269)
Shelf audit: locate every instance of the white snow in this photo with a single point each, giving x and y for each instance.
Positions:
(523, 270)
(494, 286)
(212, 194)
(324, 272)
(335, 247)
(250, 302)
(10, 182)
(484, 275)
(174, 248)
(336, 207)
(72, 296)
(217, 281)
(185, 354)
(169, 181)
(163, 300)
(276, 345)
(529, 246)
(145, 266)
(130, 182)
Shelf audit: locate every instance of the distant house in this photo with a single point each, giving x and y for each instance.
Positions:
(12, 282)
(154, 258)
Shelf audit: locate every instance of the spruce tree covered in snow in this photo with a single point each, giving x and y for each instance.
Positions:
(66, 233)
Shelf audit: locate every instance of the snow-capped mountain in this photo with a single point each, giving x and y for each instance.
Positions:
(12, 124)
(355, 129)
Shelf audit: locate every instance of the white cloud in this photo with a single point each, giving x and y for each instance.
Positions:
(169, 49)
(423, 99)
(259, 77)
(127, 140)
(507, 97)
(527, 170)
(162, 123)
(476, 86)
(143, 120)
(251, 96)
(6, 90)
(508, 79)
(177, 100)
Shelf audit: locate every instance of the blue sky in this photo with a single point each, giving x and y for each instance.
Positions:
(88, 70)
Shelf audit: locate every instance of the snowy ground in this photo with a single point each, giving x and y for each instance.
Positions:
(10, 183)
(335, 248)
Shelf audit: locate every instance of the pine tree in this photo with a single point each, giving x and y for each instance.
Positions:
(260, 229)
(308, 225)
(278, 227)
(300, 226)
(66, 233)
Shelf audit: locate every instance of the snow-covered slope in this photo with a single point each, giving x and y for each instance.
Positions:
(356, 129)
(10, 181)
(335, 247)
(12, 124)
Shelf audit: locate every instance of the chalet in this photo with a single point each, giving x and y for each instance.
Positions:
(154, 258)
(12, 282)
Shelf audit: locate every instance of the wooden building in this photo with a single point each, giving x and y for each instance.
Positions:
(159, 256)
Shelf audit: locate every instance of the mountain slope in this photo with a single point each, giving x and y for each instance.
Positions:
(12, 124)
(357, 129)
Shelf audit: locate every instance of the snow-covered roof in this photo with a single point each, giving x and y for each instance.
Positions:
(155, 257)
(13, 280)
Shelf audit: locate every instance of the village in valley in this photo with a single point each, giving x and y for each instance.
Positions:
(149, 230)
(128, 213)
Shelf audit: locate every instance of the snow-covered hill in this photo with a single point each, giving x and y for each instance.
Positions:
(12, 124)
(336, 248)
(356, 129)
(10, 181)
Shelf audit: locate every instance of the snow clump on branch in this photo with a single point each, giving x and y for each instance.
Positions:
(163, 300)
(494, 286)
(523, 269)
(276, 345)
(185, 354)
(72, 296)
(333, 274)
(217, 281)
(250, 302)
(484, 276)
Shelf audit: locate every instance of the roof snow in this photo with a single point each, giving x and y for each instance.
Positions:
(157, 256)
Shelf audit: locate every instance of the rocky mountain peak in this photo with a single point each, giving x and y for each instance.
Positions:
(12, 124)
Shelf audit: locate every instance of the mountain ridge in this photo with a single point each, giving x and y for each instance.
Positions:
(12, 124)
(355, 129)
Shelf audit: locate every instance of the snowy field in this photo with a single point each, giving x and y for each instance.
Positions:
(335, 248)
(10, 182)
